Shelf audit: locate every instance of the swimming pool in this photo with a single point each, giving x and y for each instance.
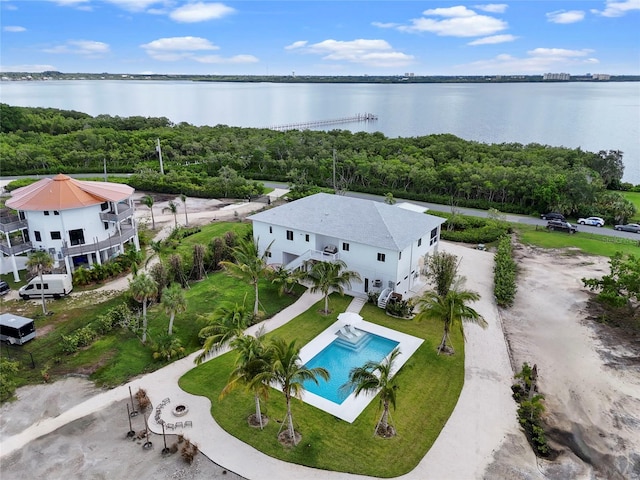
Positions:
(350, 408)
(340, 356)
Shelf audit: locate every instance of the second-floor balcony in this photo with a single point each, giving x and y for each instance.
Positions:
(11, 223)
(128, 233)
(124, 211)
(16, 247)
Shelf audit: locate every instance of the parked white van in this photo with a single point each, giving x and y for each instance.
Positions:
(54, 285)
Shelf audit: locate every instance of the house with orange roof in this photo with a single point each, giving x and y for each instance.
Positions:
(77, 222)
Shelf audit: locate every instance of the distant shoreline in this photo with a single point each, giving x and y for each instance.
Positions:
(391, 79)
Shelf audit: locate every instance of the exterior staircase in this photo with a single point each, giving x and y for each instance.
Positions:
(384, 297)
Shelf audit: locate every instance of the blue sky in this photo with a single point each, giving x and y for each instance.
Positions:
(263, 37)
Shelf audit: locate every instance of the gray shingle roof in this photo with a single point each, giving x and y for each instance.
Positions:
(352, 219)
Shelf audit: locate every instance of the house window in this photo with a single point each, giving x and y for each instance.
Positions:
(267, 254)
(434, 236)
(56, 212)
(419, 241)
(46, 212)
(399, 255)
(289, 235)
(345, 246)
(76, 237)
(106, 225)
(306, 237)
(381, 257)
(104, 206)
(270, 229)
(56, 236)
(38, 236)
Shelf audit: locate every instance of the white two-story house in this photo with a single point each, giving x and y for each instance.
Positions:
(77, 222)
(386, 244)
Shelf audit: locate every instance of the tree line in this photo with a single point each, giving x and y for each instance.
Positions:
(440, 168)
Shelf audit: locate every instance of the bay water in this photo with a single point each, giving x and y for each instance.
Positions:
(591, 116)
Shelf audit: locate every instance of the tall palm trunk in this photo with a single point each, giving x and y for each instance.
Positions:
(326, 303)
(173, 315)
(258, 411)
(144, 320)
(292, 433)
(256, 302)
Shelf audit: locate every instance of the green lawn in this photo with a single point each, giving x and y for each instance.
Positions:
(429, 389)
(588, 243)
(633, 197)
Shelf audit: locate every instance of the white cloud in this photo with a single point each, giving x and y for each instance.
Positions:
(457, 21)
(134, 5)
(80, 47)
(27, 68)
(492, 40)
(179, 44)
(385, 25)
(295, 45)
(459, 11)
(559, 52)
(617, 8)
(14, 28)
(79, 4)
(200, 12)
(493, 7)
(189, 48)
(562, 16)
(373, 53)
(237, 59)
(538, 61)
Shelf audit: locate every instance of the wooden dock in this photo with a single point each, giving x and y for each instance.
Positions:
(361, 117)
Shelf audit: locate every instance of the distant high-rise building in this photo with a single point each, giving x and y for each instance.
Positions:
(601, 76)
(556, 76)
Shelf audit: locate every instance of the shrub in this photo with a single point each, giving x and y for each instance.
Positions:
(530, 409)
(8, 372)
(399, 308)
(372, 297)
(504, 269)
(69, 343)
(142, 399)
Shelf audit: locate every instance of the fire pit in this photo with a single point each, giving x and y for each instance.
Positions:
(180, 410)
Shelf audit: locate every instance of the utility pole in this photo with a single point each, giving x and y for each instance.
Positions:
(159, 150)
(104, 162)
(334, 170)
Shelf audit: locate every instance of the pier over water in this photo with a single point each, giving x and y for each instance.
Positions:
(360, 117)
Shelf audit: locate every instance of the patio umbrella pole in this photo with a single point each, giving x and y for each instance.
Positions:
(133, 408)
(131, 431)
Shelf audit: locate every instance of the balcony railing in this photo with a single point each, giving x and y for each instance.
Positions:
(127, 234)
(16, 248)
(11, 223)
(124, 211)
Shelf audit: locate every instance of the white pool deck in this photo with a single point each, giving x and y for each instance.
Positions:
(353, 406)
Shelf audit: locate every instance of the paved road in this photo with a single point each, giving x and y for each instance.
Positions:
(528, 220)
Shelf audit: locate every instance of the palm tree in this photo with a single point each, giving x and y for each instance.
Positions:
(251, 362)
(173, 301)
(156, 247)
(227, 322)
(328, 276)
(148, 201)
(374, 376)
(143, 287)
(37, 263)
(288, 372)
(452, 309)
(173, 208)
(183, 197)
(285, 279)
(248, 265)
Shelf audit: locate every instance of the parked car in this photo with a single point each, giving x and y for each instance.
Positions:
(563, 226)
(593, 221)
(4, 287)
(553, 216)
(629, 227)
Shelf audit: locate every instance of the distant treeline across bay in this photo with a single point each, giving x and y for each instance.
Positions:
(230, 161)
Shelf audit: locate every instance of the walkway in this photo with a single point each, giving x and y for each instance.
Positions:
(484, 416)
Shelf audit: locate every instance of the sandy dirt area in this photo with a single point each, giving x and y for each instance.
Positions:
(592, 388)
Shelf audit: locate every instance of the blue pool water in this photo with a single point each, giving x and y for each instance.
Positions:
(339, 357)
